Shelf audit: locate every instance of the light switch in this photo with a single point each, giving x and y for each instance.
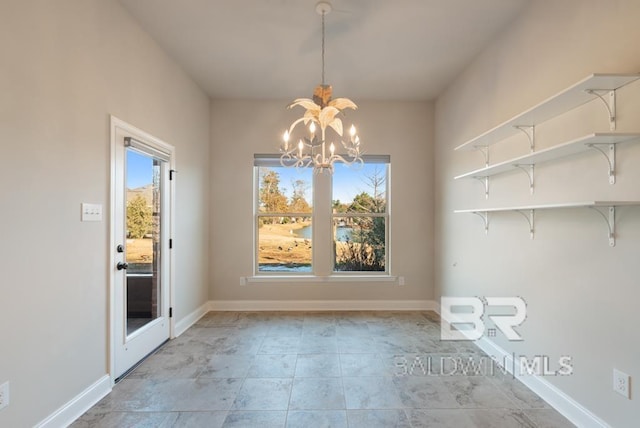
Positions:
(91, 212)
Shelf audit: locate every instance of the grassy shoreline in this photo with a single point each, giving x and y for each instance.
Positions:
(279, 244)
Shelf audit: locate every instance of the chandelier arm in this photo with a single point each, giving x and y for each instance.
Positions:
(323, 145)
(313, 143)
(295, 123)
(294, 158)
(354, 159)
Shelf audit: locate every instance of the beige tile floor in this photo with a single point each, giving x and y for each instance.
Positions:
(318, 369)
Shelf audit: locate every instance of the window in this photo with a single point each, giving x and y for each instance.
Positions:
(360, 218)
(284, 218)
(351, 206)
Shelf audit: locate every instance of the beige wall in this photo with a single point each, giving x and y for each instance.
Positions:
(401, 129)
(582, 295)
(66, 66)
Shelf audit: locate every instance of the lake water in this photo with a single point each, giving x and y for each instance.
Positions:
(342, 233)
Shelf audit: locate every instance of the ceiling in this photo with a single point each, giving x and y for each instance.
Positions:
(375, 49)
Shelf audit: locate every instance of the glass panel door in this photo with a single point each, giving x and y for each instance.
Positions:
(141, 276)
(143, 238)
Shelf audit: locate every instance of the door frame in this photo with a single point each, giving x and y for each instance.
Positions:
(170, 281)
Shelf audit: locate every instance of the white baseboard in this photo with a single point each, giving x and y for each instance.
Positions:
(75, 408)
(560, 401)
(321, 305)
(94, 393)
(190, 319)
(563, 403)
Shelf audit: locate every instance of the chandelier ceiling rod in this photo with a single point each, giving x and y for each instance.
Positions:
(323, 14)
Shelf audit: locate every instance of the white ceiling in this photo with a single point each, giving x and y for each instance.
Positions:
(375, 49)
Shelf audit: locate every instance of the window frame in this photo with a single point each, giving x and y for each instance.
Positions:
(320, 191)
(273, 161)
(385, 161)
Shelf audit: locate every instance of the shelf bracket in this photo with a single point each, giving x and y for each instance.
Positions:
(610, 156)
(609, 218)
(484, 215)
(485, 152)
(610, 104)
(530, 217)
(530, 132)
(485, 183)
(529, 170)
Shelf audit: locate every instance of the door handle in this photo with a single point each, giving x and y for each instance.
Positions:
(121, 266)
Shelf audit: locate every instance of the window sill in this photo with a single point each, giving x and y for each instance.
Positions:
(313, 279)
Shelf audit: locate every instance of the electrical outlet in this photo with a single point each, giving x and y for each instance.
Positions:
(621, 383)
(401, 280)
(4, 395)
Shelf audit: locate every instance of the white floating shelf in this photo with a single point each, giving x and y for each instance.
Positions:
(579, 145)
(589, 204)
(528, 212)
(590, 88)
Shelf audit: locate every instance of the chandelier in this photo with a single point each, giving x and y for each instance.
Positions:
(323, 125)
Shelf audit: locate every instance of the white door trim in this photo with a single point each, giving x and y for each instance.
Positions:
(147, 138)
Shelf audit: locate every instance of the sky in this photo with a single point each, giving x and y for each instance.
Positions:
(347, 182)
(139, 170)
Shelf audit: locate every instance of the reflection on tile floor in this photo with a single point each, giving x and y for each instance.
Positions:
(319, 369)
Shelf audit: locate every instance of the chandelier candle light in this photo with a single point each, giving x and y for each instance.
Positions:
(321, 112)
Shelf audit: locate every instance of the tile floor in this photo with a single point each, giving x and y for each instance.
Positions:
(313, 370)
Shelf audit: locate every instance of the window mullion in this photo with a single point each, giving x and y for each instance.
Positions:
(263, 214)
(358, 214)
(322, 220)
